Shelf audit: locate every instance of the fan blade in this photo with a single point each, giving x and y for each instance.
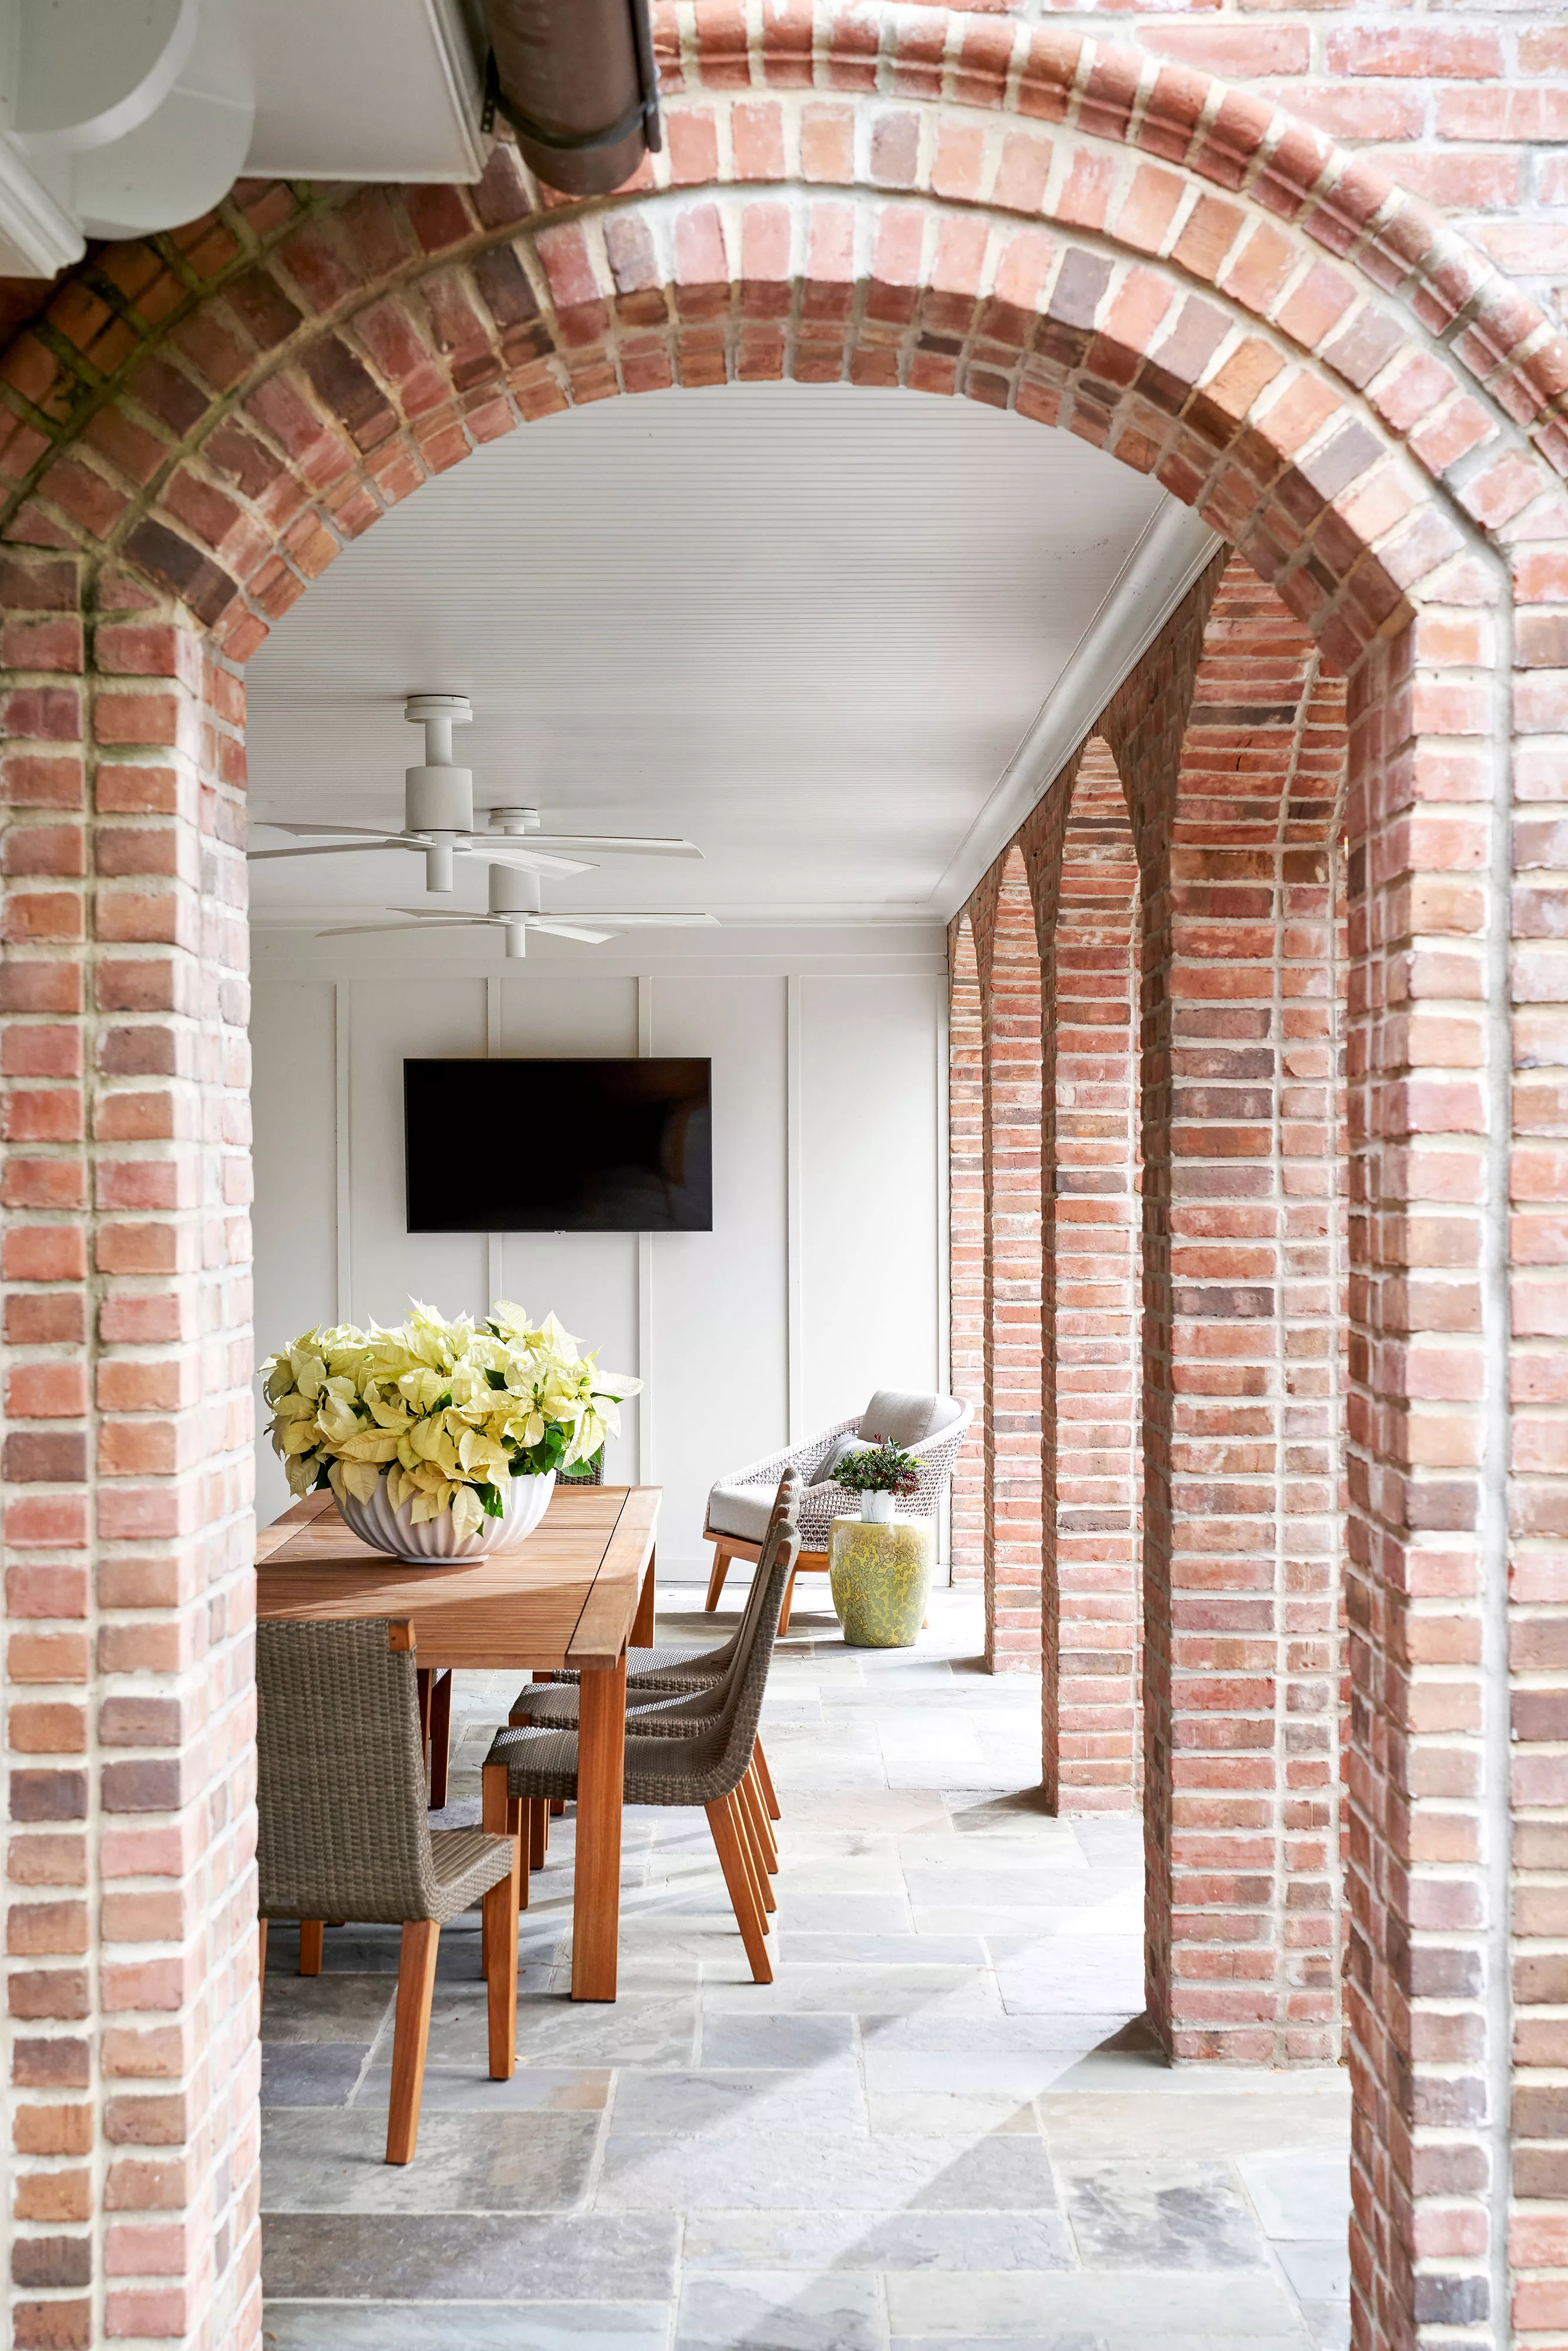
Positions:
(526, 860)
(364, 930)
(651, 922)
(625, 844)
(335, 848)
(353, 832)
(570, 931)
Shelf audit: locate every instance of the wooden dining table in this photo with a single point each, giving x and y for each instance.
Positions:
(577, 1592)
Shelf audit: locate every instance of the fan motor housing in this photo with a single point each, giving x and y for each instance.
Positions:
(439, 799)
(513, 892)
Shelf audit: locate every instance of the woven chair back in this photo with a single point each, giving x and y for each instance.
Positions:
(713, 1761)
(343, 1830)
(785, 1507)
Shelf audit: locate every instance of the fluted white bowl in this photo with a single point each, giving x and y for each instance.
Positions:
(435, 1542)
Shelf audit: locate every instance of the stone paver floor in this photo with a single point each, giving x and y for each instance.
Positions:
(942, 2128)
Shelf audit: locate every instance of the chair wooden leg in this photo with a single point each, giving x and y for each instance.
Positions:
(500, 1929)
(764, 1781)
(761, 1878)
(789, 1604)
(261, 1959)
(737, 1878)
(517, 1826)
(556, 1808)
(760, 1822)
(440, 1739)
(538, 1831)
(312, 1932)
(716, 1581)
(411, 2033)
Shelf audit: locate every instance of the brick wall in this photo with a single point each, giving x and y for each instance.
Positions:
(967, 1247)
(1010, 1013)
(1105, 242)
(1081, 852)
(130, 1936)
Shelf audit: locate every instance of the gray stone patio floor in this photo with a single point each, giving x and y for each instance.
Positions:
(941, 2128)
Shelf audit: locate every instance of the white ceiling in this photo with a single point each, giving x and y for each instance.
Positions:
(809, 628)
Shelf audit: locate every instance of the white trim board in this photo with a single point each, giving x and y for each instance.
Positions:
(1175, 548)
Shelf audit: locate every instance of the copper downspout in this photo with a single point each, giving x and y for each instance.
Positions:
(576, 81)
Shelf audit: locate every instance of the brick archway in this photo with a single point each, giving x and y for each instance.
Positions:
(967, 1243)
(1084, 872)
(1175, 271)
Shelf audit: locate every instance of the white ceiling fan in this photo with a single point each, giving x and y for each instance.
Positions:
(513, 908)
(438, 818)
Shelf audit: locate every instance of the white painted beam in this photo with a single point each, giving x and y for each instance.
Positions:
(1162, 567)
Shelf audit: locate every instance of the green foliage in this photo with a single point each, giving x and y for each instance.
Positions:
(887, 1469)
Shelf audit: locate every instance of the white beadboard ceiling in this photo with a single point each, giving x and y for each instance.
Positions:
(808, 627)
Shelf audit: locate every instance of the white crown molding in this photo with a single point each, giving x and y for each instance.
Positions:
(1161, 568)
(37, 238)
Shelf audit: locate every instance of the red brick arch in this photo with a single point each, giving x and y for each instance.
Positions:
(1177, 273)
(1083, 872)
(966, 1244)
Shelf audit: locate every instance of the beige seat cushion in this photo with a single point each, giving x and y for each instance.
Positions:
(740, 1510)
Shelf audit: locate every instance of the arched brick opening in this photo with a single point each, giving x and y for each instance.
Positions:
(1086, 875)
(1235, 839)
(1177, 273)
(1014, 1530)
(966, 1242)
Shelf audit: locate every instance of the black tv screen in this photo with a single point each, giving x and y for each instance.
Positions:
(599, 1146)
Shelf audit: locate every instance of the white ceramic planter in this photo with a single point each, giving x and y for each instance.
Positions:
(876, 1510)
(435, 1542)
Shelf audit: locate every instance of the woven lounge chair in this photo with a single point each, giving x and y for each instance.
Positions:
(930, 1428)
(706, 1764)
(343, 1830)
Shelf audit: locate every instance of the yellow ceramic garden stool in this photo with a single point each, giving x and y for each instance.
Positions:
(880, 1577)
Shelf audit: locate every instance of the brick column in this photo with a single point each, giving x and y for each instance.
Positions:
(130, 1903)
(1086, 890)
(1014, 1528)
(1241, 1546)
(967, 1245)
(1537, 1750)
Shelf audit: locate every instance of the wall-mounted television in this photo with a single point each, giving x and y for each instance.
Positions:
(567, 1146)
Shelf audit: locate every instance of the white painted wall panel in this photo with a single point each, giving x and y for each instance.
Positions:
(869, 1218)
(716, 1347)
(721, 1395)
(392, 1021)
(588, 1280)
(292, 1063)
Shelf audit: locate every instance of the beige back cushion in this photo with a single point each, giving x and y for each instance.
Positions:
(906, 1418)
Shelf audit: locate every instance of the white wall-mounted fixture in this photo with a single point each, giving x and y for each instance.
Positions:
(118, 118)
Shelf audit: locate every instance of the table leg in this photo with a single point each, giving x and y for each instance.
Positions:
(440, 1737)
(642, 1622)
(601, 1769)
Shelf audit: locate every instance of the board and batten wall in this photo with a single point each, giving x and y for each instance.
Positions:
(824, 1275)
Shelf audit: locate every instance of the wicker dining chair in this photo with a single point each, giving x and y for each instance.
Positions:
(666, 1702)
(708, 1764)
(343, 1830)
(678, 1667)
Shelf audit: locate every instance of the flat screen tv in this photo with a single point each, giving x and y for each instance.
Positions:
(591, 1146)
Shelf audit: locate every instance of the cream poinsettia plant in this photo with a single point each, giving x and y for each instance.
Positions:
(449, 1410)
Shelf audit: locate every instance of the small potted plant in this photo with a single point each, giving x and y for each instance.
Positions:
(878, 1474)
